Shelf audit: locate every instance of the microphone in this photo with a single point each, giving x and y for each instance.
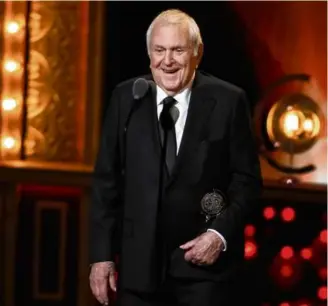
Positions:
(140, 88)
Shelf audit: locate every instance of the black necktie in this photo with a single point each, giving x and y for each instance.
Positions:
(167, 124)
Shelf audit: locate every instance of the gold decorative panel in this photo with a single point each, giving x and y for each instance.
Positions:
(56, 84)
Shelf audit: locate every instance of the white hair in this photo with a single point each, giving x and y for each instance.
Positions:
(177, 17)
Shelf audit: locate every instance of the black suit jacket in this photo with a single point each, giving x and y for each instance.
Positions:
(217, 151)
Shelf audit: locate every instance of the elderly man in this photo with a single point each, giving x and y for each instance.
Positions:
(176, 176)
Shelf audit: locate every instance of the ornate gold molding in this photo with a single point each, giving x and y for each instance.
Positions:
(56, 88)
(57, 119)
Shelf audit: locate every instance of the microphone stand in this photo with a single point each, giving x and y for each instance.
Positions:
(125, 131)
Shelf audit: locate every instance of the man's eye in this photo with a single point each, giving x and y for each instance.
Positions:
(159, 50)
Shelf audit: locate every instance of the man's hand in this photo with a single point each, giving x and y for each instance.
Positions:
(204, 249)
(102, 274)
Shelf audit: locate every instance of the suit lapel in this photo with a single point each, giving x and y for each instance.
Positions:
(200, 107)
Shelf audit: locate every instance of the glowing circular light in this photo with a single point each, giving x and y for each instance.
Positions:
(287, 252)
(249, 230)
(250, 249)
(290, 123)
(9, 104)
(269, 212)
(306, 253)
(8, 142)
(12, 27)
(322, 293)
(11, 66)
(288, 214)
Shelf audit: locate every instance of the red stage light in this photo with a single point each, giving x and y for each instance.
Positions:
(322, 293)
(286, 271)
(250, 249)
(269, 212)
(323, 236)
(287, 252)
(288, 214)
(284, 304)
(306, 253)
(249, 230)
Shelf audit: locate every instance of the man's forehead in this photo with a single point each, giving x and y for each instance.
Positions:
(168, 32)
(182, 29)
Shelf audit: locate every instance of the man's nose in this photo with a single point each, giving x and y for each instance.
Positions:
(168, 59)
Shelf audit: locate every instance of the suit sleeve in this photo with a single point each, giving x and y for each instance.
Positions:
(244, 173)
(105, 195)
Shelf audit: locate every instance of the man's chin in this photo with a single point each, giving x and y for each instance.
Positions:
(171, 87)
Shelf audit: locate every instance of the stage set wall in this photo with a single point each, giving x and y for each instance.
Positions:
(77, 53)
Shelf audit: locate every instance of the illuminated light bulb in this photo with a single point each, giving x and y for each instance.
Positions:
(288, 214)
(322, 293)
(11, 66)
(250, 249)
(8, 142)
(308, 125)
(306, 253)
(292, 122)
(287, 252)
(249, 230)
(9, 104)
(269, 212)
(12, 27)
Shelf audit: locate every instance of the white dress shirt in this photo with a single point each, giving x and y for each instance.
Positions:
(183, 99)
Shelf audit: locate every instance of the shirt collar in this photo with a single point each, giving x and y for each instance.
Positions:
(182, 98)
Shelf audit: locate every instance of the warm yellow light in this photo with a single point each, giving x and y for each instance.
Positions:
(308, 125)
(291, 123)
(11, 65)
(9, 104)
(12, 27)
(299, 124)
(8, 142)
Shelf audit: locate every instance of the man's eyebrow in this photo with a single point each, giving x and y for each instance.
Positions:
(171, 47)
(158, 46)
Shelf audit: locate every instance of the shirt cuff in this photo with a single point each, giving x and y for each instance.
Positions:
(221, 237)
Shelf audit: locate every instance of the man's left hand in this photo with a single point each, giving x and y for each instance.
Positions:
(204, 249)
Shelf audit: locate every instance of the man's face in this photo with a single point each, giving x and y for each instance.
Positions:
(172, 59)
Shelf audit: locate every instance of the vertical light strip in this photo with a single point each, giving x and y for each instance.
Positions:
(12, 69)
